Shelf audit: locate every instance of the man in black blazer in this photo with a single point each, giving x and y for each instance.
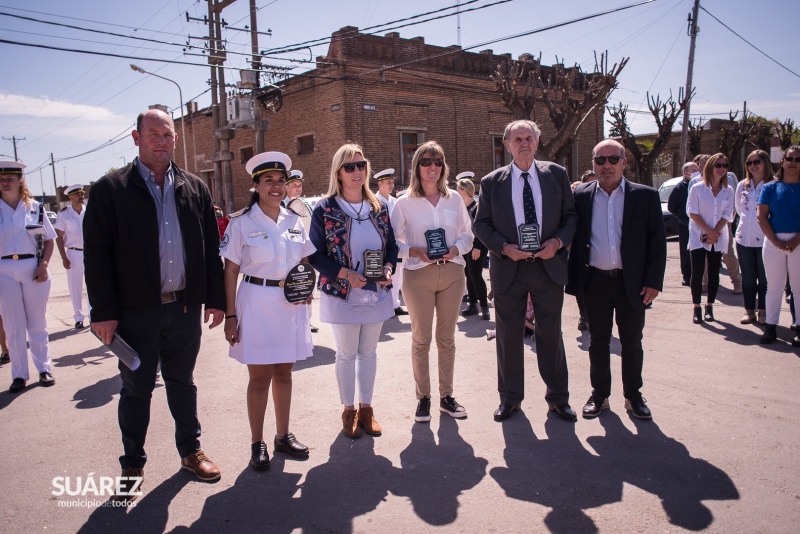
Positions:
(528, 192)
(617, 266)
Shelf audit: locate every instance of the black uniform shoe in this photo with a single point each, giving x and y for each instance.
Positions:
(472, 309)
(593, 407)
(400, 311)
(16, 386)
(582, 323)
(5, 358)
(46, 379)
(770, 334)
(796, 341)
(504, 411)
(637, 408)
(259, 459)
(290, 446)
(423, 413)
(485, 312)
(314, 329)
(564, 411)
(79, 325)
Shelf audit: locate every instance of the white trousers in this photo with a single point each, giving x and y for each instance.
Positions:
(397, 285)
(23, 305)
(778, 264)
(75, 282)
(356, 356)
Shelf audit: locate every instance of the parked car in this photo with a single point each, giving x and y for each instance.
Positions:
(670, 221)
(222, 220)
(51, 215)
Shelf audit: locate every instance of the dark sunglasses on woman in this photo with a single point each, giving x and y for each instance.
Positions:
(753, 162)
(720, 165)
(427, 162)
(353, 165)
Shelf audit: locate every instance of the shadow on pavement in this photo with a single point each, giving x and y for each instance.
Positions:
(559, 473)
(98, 394)
(322, 356)
(93, 356)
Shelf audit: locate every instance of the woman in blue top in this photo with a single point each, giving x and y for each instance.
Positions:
(350, 227)
(779, 218)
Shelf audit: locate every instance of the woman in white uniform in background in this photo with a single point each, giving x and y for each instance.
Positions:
(24, 281)
(266, 332)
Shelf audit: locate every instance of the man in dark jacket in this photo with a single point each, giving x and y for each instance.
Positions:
(677, 206)
(151, 251)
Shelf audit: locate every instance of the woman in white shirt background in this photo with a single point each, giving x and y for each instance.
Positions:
(24, 278)
(710, 208)
(432, 286)
(750, 238)
(265, 331)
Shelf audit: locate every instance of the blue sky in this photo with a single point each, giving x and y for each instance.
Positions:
(68, 103)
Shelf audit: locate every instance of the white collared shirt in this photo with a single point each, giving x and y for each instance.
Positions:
(264, 248)
(70, 222)
(14, 238)
(413, 216)
(517, 186)
(748, 232)
(388, 201)
(606, 238)
(711, 209)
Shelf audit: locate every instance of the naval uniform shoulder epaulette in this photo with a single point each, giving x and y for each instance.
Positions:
(64, 209)
(240, 212)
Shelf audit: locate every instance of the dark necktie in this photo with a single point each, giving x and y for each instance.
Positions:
(527, 200)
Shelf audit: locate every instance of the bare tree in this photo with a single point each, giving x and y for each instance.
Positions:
(569, 94)
(696, 137)
(737, 133)
(787, 133)
(665, 114)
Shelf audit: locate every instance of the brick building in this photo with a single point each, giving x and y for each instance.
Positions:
(349, 97)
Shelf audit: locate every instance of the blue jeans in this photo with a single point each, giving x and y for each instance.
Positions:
(754, 278)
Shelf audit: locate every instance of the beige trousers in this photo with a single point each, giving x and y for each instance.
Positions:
(433, 289)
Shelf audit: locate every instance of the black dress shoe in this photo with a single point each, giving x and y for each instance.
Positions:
(79, 325)
(46, 379)
(582, 323)
(5, 358)
(564, 411)
(16, 386)
(400, 311)
(314, 329)
(259, 459)
(638, 408)
(290, 446)
(709, 315)
(593, 407)
(770, 334)
(685, 283)
(796, 341)
(697, 316)
(485, 312)
(472, 309)
(505, 410)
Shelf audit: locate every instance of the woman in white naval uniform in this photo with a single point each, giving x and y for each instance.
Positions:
(69, 227)
(24, 280)
(265, 331)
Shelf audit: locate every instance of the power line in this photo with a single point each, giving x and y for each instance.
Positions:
(781, 65)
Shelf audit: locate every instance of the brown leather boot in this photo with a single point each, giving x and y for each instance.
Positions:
(129, 485)
(366, 419)
(350, 424)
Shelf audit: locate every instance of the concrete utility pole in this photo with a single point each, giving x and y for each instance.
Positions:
(14, 141)
(55, 183)
(258, 126)
(693, 30)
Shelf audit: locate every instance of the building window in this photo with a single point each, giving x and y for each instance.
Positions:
(245, 154)
(305, 144)
(500, 156)
(409, 142)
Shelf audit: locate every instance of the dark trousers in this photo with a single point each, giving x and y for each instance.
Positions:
(548, 300)
(683, 246)
(754, 277)
(476, 285)
(605, 299)
(169, 334)
(699, 257)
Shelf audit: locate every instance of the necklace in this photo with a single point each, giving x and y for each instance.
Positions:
(357, 212)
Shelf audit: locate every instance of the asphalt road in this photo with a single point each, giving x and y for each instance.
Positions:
(720, 454)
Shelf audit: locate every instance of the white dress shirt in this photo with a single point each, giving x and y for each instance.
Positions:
(606, 238)
(70, 222)
(517, 186)
(748, 233)
(413, 216)
(14, 238)
(388, 201)
(711, 209)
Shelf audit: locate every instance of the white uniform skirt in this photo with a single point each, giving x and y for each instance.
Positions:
(271, 330)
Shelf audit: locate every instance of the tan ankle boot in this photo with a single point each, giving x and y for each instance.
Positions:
(366, 418)
(350, 424)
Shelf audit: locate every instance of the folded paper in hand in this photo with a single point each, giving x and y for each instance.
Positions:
(123, 351)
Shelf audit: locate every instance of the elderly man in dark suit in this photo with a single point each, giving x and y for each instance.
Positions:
(617, 266)
(528, 202)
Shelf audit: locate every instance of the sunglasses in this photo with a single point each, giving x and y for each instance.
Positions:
(427, 162)
(753, 162)
(353, 165)
(601, 160)
(790, 159)
(720, 165)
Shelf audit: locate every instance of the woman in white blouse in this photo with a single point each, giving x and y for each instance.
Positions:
(750, 238)
(710, 208)
(432, 286)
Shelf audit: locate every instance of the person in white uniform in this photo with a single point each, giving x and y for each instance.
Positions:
(266, 332)
(26, 245)
(69, 228)
(385, 180)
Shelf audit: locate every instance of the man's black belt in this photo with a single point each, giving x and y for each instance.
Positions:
(262, 281)
(171, 296)
(75, 248)
(613, 273)
(18, 257)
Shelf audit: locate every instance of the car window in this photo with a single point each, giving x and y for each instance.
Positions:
(664, 192)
